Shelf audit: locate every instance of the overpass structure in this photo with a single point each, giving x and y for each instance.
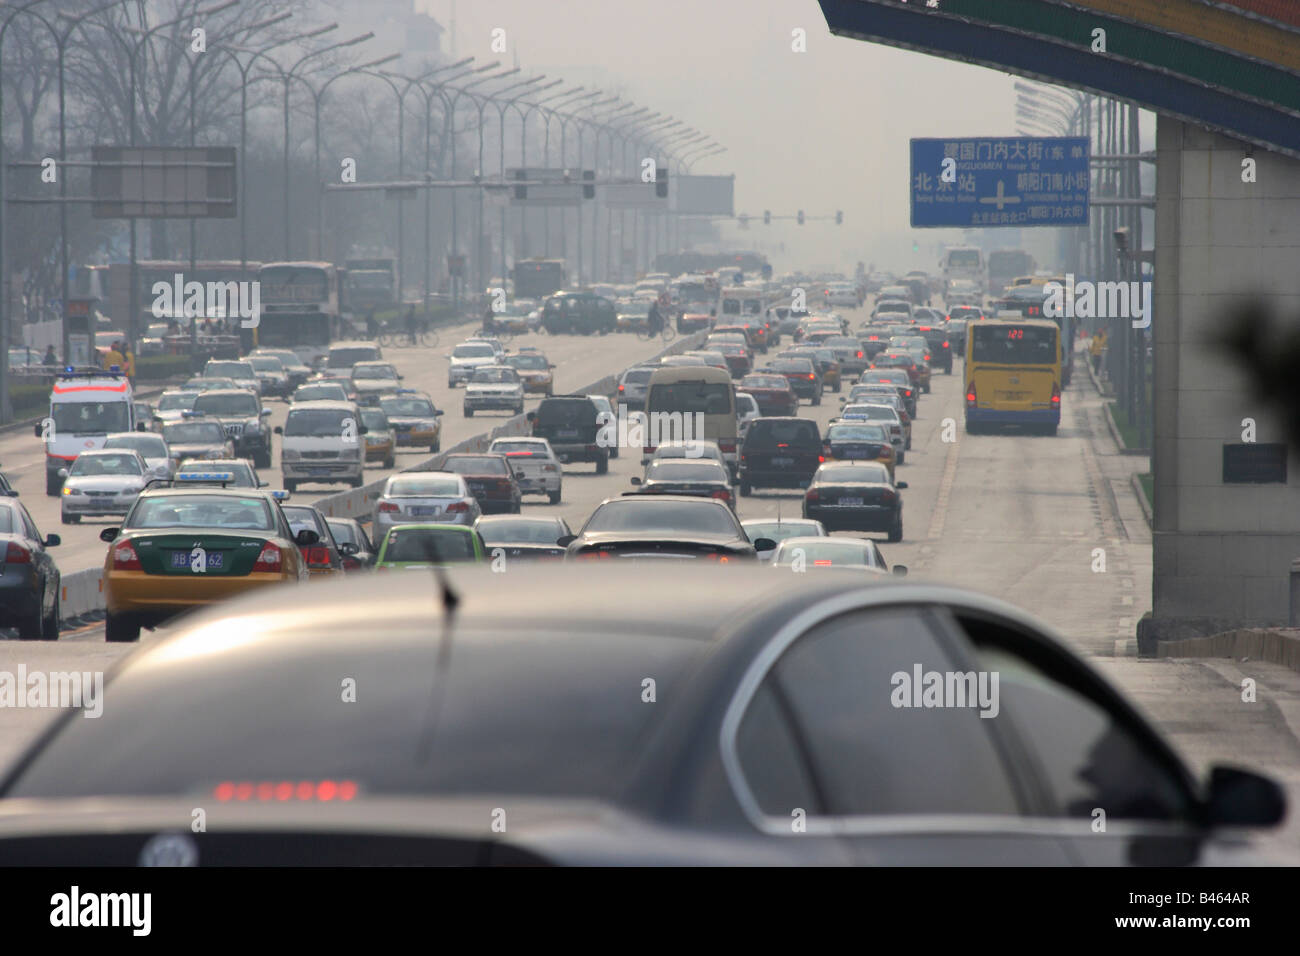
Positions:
(1223, 77)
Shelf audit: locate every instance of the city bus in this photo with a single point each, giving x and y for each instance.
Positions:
(300, 308)
(538, 278)
(370, 284)
(1013, 374)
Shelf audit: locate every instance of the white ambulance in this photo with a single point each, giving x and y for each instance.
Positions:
(86, 406)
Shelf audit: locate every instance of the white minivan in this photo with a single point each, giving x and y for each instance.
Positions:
(683, 401)
(322, 444)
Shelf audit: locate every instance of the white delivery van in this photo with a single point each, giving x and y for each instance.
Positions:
(322, 444)
(692, 402)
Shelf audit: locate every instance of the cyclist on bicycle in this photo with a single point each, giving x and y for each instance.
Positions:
(489, 321)
(654, 321)
(372, 327)
(412, 324)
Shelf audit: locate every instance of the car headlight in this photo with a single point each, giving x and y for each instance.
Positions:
(69, 490)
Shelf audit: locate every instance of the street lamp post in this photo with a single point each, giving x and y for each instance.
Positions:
(502, 108)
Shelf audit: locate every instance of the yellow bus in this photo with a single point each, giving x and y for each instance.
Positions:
(1013, 374)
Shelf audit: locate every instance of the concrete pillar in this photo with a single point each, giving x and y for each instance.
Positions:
(1222, 552)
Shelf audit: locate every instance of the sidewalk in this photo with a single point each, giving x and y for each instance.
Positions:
(1119, 466)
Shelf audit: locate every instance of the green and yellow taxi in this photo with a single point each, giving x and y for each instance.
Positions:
(425, 545)
(859, 441)
(416, 422)
(192, 544)
(535, 370)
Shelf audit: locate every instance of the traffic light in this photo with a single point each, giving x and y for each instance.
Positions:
(800, 217)
(588, 184)
(661, 182)
(915, 247)
(767, 217)
(839, 218)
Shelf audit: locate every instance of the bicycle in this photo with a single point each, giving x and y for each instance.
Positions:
(667, 333)
(402, 339)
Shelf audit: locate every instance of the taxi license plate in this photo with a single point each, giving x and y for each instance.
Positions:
(567, 432)
(782, 461)
(850, 502)
(856, 451)
(425, 510)
(215, 560)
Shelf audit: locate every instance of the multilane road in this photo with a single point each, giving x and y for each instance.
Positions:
(1017, 517)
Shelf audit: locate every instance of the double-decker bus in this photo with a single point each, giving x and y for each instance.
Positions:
(1013, 374)
(300, 308)
(538, 278)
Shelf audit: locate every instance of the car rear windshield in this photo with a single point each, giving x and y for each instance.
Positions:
(473, 351)
(527, 361)
(176, 401)
(667, 517)
(521, 531)
(804, 366)
(346, 358)
(245, 403)
(710, 398)
(570, 412)
(518, 448)
(375, 371)
(426, 544)
(318, 393)
(406, 407)
(476, 465)
(678, 470)
(423, 488)
(765, 381)
(266, 363)
(201, 511)
(769, 433)
(780, 530)
(637, 376)
(150, 446)
(867, 473)
(855, 433)
(189, 433)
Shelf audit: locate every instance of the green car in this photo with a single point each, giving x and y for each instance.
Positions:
(417, 546)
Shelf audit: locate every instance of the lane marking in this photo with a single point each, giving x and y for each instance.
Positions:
(940, 512)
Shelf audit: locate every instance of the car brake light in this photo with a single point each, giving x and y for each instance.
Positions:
(811, 376)
(17, 554)
(458, 507)
(125, 558)
(721, 494)
(945, 345)
(860, 355)
(821, 562)
(970, 394)
(318, 555)
(1056, 395)
(284, 790)
(268, 559)
(729, 447)
(594, 556)
(620, 388)
(720, 558)
(387, 507)
(821, 459)
(351, 564)
(503, 484)
(812, 495)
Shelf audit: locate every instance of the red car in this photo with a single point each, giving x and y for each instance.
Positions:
(895, 359)
(737, 356)
(491, 481)
(772, 392)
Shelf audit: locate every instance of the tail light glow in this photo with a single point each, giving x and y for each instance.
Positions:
(812, 495)
(1056, 395)
(269, 559)
(457, 507)
(125, 558)
(17, 554)
(317, 556)
(387, 507)
(970, 394)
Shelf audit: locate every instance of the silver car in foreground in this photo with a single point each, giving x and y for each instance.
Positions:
(424, 497)
(102, 483)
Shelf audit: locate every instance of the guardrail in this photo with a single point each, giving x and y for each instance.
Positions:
(82, 597)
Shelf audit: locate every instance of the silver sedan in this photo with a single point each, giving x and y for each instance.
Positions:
(102, 482)
(424, 497)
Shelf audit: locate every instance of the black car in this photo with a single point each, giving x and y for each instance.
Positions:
(676, 715)
(354, 544)
(779, 453)
(569, 423)
(663, 526)
(579, 312)
(29, 578)
(940, 347)
(701, 478)
(522, 538)
(856, 496)
(240, 413)
(802, 374)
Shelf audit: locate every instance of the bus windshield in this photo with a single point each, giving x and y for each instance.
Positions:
(1014, 344)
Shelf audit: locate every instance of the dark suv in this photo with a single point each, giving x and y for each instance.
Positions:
(940, 347)
(580, 312)
(801, 372)
(491, 481)
(569, 423)
(779, 453)
(241, 415)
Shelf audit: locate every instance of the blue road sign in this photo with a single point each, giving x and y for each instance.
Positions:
(999, 181)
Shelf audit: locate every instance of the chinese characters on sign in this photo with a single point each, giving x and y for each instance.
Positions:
(1000, 181)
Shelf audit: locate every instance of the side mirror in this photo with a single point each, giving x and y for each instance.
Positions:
(1238, 797)
(531, 416)
(12, 492)
(140, 427)
(262, 482)
(900, 570)
(63, 472)
(53, 541)
(264, 413)
(901, 485)
(565, 540)
(348, 549)
(306, 537)
(636, 480)
(278, 430)
(36, 430)
(109, 535)
(764, 544)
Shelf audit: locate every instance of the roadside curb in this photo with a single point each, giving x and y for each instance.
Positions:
(1271, 645)
(1114, 433)
(1141, 495)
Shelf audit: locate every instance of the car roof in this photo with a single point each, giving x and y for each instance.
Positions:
(325, 403)
(162, 490)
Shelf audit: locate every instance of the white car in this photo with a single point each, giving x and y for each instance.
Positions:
(841, 293)
(372, 379)
(466, 358)
(702, 449)
(746, 411)
(493, 387)
(536, 467)
(424, 497)
(886, 415)
(173, 404)
(102, 483)
(151, 446)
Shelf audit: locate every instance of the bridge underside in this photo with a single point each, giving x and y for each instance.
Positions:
(1221, 75)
